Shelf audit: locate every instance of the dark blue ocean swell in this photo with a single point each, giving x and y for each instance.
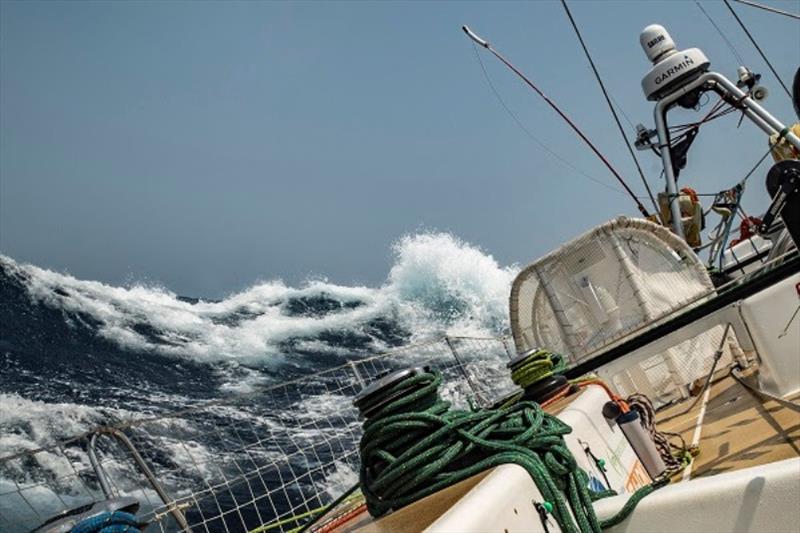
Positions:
(59, 347)
(49, 354)
(53, 355)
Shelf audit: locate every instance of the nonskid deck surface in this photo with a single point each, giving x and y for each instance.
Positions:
(738, 430)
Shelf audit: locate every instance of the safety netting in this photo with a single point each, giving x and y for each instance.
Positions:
(608, 284)
(265, 461)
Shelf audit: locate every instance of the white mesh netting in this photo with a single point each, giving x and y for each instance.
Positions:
(606, 284)
(264, 461)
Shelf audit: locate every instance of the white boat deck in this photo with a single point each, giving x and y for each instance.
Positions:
(738, 431)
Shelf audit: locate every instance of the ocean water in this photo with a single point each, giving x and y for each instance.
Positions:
(75, 354)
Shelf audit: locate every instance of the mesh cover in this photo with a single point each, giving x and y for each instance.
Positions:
(603, 286)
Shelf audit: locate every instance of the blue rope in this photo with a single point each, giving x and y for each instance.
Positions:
(116, 522)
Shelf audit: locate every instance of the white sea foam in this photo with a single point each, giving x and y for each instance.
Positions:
(29, 424)
(341, 478)
(38, 486)
(438, 285)
(450, 279)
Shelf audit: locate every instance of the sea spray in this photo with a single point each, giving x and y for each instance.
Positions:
(438, 285)
(76, 354)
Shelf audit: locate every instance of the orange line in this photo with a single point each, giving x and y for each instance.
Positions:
(333, 524)
(623, 405)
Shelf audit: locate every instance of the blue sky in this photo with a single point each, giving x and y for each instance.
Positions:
(204, 146)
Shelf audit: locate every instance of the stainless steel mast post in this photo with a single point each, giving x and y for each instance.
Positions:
(676, 74)
(725, 88)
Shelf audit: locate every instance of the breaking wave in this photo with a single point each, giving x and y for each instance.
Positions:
(68, 341)
(77, 354)
(438, 285)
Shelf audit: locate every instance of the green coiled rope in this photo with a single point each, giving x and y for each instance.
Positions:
(415, 445)
(537, 366)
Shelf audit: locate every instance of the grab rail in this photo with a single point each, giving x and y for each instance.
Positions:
(102, 475)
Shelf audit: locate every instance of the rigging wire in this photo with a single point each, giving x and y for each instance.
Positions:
(763, 56)
(611, 107)
(624, 114)
(718, 110)
(531, 135)
(769, 8)
(719, 235)
(755, 167)
(721, 34)
(558, 110)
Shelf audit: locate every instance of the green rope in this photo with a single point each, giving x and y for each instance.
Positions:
(632, 502)
(537, 366)
(415, 446)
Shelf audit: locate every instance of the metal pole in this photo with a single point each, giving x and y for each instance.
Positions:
(723, 86)
(177, 514)
(662, 106)
(99, 471)
(575, 128)
(463, 369)
(754, 111)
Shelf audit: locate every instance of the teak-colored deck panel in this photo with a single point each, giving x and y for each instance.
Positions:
(738, 429)
(416, 516)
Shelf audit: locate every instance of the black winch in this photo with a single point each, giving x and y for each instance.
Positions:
(386, 388)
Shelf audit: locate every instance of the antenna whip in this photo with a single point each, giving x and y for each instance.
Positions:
(575, 128)
(763, 56)
(769, 8)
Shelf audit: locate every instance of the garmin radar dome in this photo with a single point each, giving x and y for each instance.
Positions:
(671, 67)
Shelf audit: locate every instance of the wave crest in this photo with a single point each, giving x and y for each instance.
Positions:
(437, 285)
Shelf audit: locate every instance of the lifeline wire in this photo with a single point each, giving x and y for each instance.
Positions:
(613, 111)
(763, 56)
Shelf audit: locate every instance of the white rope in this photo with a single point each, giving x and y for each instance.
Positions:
(698, 428)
